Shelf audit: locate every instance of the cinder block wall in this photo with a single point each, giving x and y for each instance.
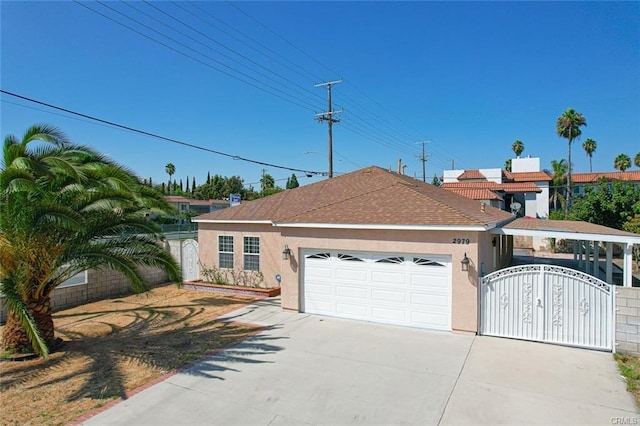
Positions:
(628, 320)
(104, 284)
(101, 285)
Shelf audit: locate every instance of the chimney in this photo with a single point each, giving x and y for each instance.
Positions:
(400, 165)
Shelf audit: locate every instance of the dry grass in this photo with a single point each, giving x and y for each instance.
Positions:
(630, 368)
(112, 347)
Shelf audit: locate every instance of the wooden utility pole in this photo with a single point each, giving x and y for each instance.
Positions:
(423, 158)
(328, 117)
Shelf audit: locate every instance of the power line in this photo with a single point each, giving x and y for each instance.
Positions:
(304, 89)
(234, 5)
(368, 130)
(235, 77)
(384, 123)
(164, 138)
(263, 47)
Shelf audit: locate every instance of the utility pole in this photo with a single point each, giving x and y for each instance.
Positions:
(328, 117)
(423, 158)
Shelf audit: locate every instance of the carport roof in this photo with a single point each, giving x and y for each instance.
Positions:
(567, 229)
(369, 198)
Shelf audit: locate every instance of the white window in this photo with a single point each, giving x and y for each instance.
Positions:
(225, 251)
(77, 279)
(251, 253)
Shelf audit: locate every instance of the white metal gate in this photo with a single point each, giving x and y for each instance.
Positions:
(189, 260)
(548, 303)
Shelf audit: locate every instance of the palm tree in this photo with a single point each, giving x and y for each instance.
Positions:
(507, 165)
(170, 169)
(568, 127)
(517, 148)
(64, 209)
(636, 160)
(558, 177)
(622, 162)
(589, 146)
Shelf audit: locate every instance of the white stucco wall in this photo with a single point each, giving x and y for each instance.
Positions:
(493, 175)
(449, 176)
(526, 164)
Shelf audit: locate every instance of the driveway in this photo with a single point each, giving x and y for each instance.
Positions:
(313, 370)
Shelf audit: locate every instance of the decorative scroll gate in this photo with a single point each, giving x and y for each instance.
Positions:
(548, 303)
(189, 260)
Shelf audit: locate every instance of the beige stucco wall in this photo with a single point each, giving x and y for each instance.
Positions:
(270, 246)
(272, 240)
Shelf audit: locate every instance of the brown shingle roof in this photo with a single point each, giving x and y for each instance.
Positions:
(471, 174)
(493, 186)
(595, 177)
(176, 199)
(369, 196)
(529, 177)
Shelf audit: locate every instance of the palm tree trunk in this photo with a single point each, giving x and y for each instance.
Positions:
(566, 207)
(14, 336)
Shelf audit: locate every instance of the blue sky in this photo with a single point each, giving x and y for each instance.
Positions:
(469, 77)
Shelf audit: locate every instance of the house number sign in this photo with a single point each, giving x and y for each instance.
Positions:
(461, 241)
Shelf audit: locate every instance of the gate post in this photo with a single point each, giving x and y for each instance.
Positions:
(614, 318)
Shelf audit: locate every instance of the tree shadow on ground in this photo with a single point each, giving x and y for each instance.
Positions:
(111, 347)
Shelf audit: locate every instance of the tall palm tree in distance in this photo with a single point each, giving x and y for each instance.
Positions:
(589, 146)
(517, 148)
(170, 169)
(622, 162)
(568, 127)
(636, 160)
(558, 177)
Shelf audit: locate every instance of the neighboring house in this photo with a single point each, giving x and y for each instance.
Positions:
(526, 184)
(183, 204)
(371, 245)
(580, 181)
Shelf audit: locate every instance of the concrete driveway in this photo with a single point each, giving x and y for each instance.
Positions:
(312, 370)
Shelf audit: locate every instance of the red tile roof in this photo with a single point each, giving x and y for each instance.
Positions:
(371, 196)
(633, 176)
(493, 186)
(476, 193)
(529, 177)
(471, 174)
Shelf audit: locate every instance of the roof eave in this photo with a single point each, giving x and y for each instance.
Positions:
(236, 221)
(471, 228)
(568, 235)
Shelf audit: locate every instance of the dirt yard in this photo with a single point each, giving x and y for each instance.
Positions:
(113, 347)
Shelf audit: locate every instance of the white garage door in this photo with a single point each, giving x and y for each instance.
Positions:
(392, 288)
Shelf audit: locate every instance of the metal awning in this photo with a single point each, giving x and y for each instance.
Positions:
(577, 231)
(566, 229)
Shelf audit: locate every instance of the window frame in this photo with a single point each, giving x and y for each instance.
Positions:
(250, 256)
(221, 252)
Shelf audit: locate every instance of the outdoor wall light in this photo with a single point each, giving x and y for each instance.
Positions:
(494, 241)
(286, 252)
(465, 263)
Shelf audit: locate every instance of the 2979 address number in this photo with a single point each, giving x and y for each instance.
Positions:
(461, 241)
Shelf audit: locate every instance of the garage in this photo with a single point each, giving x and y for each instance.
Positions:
(393, 288)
